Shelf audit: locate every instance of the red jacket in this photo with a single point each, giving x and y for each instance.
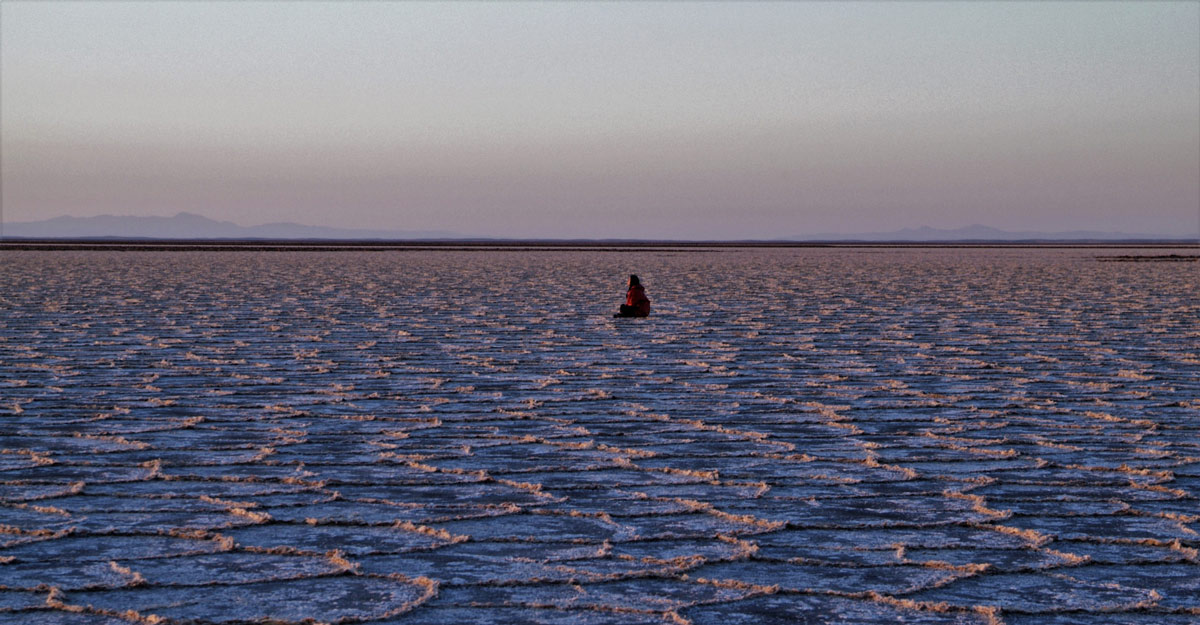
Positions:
(636, 297)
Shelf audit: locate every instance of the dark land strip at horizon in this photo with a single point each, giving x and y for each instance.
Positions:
(488, 245)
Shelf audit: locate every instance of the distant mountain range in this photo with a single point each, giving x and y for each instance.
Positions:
(193, 226)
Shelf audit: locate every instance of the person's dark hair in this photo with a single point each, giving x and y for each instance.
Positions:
(633, 280)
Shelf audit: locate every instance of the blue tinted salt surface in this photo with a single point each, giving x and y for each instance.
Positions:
(433, 436)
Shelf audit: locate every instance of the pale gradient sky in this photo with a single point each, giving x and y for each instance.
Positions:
(673, 120)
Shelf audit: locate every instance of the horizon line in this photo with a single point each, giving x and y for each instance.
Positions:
(482, 243)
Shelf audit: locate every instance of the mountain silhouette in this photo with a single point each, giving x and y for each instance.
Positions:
(192, 226)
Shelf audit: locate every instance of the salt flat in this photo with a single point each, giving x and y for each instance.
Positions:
(795, 436)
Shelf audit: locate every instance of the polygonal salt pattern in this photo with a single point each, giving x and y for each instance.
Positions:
(929, 436)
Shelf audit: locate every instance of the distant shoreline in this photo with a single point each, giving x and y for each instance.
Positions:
(329, 245)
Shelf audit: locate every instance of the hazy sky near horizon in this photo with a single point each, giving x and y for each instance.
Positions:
(612, 119)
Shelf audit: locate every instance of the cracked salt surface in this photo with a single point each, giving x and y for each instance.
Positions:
(795, 436)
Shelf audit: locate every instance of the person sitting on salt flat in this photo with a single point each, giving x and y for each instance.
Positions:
(636, 303)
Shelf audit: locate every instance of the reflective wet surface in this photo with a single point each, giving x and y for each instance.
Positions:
(793, 436)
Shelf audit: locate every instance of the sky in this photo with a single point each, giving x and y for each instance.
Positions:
(608, 119)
